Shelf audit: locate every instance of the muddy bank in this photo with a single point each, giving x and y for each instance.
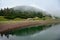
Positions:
(10, 26)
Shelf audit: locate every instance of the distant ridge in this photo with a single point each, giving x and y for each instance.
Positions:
(26, 8)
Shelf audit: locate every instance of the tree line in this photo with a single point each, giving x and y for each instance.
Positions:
(12, 14)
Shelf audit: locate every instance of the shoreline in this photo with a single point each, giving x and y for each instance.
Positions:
(23, 24)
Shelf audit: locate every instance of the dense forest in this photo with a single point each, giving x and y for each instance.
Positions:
(10, 13)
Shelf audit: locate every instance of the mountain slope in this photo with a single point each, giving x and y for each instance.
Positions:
(26, 8)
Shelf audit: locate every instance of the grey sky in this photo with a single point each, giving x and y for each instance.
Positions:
(52, 6)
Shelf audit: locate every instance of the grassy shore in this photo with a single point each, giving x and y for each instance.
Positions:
(10, 25)
(16, 23)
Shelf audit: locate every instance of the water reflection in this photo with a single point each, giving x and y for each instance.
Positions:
(26, 31)
(52, 32)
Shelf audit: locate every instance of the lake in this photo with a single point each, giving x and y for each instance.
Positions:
(44, 32)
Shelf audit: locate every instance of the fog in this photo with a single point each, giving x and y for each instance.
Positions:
(51, 6)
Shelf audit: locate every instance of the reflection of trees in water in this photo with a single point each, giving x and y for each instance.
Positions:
(26, 31)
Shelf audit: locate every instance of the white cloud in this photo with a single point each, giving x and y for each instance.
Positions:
(52, 6)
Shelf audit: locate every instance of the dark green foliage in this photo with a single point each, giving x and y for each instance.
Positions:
(1, 12)
(12, 14)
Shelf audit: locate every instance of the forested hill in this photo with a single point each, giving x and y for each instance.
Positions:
(23, 12)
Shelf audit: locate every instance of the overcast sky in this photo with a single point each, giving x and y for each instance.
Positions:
(52, 6)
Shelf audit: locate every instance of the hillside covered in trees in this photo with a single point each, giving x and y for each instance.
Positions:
(10, 13)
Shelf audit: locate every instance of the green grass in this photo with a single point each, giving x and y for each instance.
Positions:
(37, 18)
(3, 19)
(20, 19)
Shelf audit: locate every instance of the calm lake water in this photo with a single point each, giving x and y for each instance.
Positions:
(48, 32)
